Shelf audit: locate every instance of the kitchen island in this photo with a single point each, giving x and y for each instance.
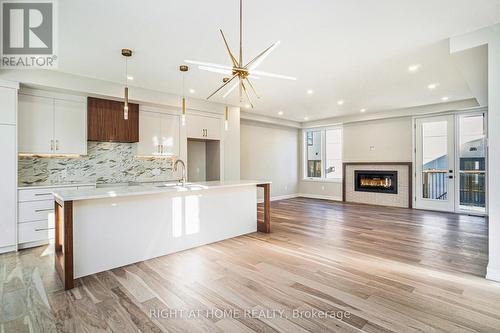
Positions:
(104, 228)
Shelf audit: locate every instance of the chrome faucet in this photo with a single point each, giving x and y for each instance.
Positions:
(183, 179)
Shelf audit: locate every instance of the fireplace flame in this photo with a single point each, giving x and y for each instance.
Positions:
(376, 182)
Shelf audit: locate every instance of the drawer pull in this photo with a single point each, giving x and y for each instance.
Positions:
(44, 210)
(42, 194)
(44, 229)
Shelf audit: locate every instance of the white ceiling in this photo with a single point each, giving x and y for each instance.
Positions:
(355, 50)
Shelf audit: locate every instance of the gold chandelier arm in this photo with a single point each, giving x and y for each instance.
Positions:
(252, 87)
(225, 84)
(233, 59)
(260, 55)
(246, 94)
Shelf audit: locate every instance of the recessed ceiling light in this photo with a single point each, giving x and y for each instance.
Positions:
(414, 68)
(306, 118)
(433, 86)
(192, 91)
(247, 106)
(130, 78)
(340, 102)
(445, 98)
(280, 113)
(362, 110)
(310, 92)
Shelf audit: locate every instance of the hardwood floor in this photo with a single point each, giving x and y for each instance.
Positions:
(325, 267)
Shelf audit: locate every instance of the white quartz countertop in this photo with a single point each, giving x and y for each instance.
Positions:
(124, 191)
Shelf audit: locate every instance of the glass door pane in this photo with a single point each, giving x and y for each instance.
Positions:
(435, 163)
(435, 160)
(313, 145)
(472, 163)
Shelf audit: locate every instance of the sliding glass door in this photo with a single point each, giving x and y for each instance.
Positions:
(450, 163)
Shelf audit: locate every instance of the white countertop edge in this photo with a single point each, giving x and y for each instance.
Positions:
(106, 193)
(34, 187)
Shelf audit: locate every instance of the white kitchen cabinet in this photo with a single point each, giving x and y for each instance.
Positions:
(69, 134)
(203, 127)
(35, 221)
(170, 132)
(36, 124)
(8, 183)
(158, 134)
(8, 100)
(50, 125)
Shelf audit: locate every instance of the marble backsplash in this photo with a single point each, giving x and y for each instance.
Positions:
(105, 162)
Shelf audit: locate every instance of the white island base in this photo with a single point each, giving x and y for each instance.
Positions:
(102, 229)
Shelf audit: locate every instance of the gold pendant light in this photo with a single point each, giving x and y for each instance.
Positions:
(226, 118)
(126, 53)
(183, 69)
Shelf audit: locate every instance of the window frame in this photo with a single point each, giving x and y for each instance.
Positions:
(323, 154)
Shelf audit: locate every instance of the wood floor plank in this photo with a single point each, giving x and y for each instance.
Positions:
(326, 267)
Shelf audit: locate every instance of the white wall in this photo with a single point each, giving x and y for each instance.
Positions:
(489, 36)
(391, 140)
(232, 146)
(196, 161)
(270, 152)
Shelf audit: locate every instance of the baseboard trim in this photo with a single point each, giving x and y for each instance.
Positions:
(6, 249)
(319, 196)
(280, 197)
(493, 274)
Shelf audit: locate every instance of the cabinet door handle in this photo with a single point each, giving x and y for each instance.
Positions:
(42, 194)
(44, 210)
(44, 229)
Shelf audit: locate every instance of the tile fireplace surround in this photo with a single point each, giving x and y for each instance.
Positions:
(404, 190)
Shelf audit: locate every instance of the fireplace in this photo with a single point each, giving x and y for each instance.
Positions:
(376, 181)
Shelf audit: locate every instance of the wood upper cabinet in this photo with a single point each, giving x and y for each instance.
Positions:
(49, 125)
(203, 127)
(159, 134)
(106, 122)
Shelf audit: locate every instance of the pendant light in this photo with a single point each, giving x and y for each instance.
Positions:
(126, 53)
(226, 118)
(183, 69)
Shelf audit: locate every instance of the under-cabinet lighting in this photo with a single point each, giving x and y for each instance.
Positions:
(50, 155)
(155, 157)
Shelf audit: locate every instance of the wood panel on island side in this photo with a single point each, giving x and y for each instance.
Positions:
(372, 269)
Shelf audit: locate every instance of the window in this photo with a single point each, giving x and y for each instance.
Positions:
(323, 154)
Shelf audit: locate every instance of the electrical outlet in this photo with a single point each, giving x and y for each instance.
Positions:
(372, 148)
(323, 187)
(197, 170)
